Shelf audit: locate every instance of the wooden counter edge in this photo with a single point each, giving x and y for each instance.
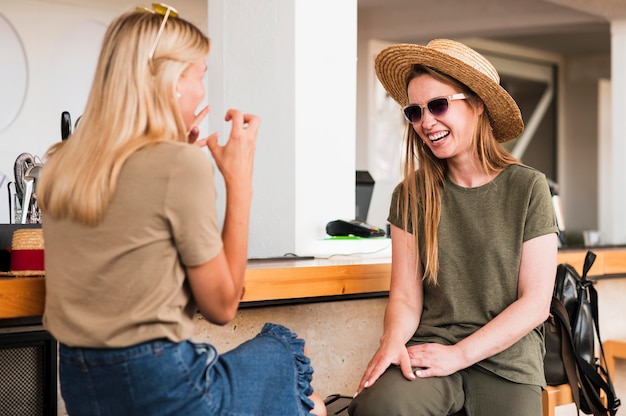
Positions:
(316, 281)
(21, 297)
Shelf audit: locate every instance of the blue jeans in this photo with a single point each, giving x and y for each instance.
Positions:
(267, 375)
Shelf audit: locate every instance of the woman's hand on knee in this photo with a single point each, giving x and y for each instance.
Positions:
(434, 360)
(384, 358)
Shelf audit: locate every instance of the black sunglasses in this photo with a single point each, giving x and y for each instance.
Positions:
(414, 113)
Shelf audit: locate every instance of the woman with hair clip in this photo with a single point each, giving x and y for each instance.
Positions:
(133, 248)
(474, 247)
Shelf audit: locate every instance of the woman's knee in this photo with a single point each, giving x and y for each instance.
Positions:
(393, 395)
(373, 403)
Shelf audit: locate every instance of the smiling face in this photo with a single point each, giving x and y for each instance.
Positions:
(450, 135)
(190, 88)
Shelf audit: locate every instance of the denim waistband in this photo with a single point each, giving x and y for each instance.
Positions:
(108, 356)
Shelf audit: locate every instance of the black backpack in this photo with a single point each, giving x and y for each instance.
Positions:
(571, 333)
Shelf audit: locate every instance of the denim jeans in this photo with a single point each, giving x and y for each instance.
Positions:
(267, 375)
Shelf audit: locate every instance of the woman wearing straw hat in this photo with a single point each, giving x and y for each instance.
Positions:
(133, 247)
(474, 247)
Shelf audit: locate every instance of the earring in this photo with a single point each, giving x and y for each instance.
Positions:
(178, 95)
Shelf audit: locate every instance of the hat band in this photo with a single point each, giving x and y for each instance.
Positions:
(27, 260)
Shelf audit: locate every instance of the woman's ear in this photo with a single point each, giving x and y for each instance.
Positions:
(479, 106)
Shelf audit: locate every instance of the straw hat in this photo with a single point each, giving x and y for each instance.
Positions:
(458, 61)
(27, 253)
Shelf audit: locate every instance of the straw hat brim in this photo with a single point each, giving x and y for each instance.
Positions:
(23, 273)
(394, 63)
(26, 239)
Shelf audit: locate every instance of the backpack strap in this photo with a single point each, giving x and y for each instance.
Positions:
(595, 378)
(597, 375)
(592, 383)
(567, 348)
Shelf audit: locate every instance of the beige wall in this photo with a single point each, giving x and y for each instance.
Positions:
(340, 336)
(578, 152)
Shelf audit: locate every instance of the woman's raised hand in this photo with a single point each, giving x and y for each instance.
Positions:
(235, 158)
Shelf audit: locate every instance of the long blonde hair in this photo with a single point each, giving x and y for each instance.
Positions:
(424, 174)
(132, 103)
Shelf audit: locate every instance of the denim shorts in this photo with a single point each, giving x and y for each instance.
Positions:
(267, 375)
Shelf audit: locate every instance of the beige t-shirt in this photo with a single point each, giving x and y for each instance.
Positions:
(123, 282)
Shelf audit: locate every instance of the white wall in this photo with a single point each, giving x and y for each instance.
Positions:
(616, 166)
(305, 159)
(61, 43)
(384, 142)
(295, 66)
(291, 62)
(60, 46)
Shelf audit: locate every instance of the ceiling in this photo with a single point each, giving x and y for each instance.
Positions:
(555, 26)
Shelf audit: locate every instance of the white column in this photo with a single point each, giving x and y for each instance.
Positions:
(613, 202)
(293, 62)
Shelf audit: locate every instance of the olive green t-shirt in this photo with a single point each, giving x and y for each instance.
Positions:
(480, 235)
(123, 282)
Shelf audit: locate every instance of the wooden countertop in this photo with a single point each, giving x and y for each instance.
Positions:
(610, 261)
(315, 278)
(299, 280)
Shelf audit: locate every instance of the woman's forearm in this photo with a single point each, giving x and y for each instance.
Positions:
(235, 231)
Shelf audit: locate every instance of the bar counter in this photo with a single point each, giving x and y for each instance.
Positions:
(293, 281)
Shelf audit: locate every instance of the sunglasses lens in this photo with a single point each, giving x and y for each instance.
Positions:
(413, 113)
(162, 9)
(438, 106)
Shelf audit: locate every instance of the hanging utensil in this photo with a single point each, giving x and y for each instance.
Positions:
(28, 193)
(66, 125)
(12, 209)
(22, 163)
(30, 211)
(34, 172)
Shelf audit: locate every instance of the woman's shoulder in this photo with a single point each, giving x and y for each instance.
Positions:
(172, 152)
(525, 180)
(170, 158)
(521, 172)
(170, 147)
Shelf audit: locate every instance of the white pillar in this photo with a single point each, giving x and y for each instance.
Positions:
(613, 201)
(293, 62)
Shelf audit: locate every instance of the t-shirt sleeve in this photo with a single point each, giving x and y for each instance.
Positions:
(395, 208)
(191, 208)
(541, 219)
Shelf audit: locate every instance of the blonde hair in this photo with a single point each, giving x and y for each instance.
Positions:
(424, 174)
(132, 103)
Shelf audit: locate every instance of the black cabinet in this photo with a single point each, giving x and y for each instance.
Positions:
(28, 369)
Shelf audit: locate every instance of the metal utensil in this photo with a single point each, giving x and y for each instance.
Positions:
(12, 209)
(22, 163)
(30, 184)
(66, 125)
(28, 193)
